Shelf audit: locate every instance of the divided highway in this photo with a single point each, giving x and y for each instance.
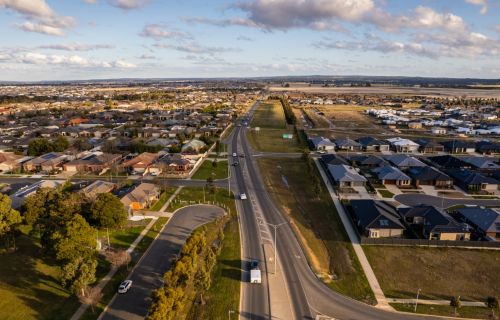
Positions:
(309, 295)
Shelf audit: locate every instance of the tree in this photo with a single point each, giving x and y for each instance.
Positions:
(60, 144)
(214, 164)
(455, 303)
(109, 147)
(78, 274)
(75, 240)
(210, 185)
(492, 303)
(82, 144)
(91, 296)
(118, 258)
(39, 146)
(107, 211)
(9, 218)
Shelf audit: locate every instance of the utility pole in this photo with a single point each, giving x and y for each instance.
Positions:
(275, 226)
(416, 302)
(229, 313)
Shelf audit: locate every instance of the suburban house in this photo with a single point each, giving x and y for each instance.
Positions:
(390, 175)
(376, 219)
(19, 197)
(435, 224)
(368, 161)
(473, 181)
(347, 144)
(488, 147)
(141, 197)
(372, 144)
(321, 143)
(173, 164)
(482, 164)
(346, 176)
(333, 159)
(97, 187)
(140, 163)
(10, 161)
(193, 146)
(485, 221)
(449, 162)
(403, 161)
(430, 176)
(459, 146)
(403, 145)
(429, 146)
(48, 162)
(95, 162)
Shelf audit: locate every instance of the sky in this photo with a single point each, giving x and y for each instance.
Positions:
(103, 39)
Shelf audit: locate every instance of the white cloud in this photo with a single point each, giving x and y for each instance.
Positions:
(76, 47)
(40, 17)
(482, 3)
(128, 4)
(195, 48)
(90, 1)
(157, 32)
(146, 56)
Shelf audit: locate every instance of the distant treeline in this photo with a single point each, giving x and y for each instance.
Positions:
(25, 99)
(289, 115)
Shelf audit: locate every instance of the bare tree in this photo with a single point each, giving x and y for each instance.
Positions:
(118, 258)
(91, 296)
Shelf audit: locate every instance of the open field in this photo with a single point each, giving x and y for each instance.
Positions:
(208, 170)
(439, 272)
(269, 114)
(317, 224)
(464, 312)
(271, 140)
(388, 90)
(195, 195)
(317, 120)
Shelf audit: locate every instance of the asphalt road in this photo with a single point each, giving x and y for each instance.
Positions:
(416, 199)
(148, 274)
(309, 295)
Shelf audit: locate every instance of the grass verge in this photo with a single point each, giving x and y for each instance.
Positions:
(317, 224)
(208, 170)
(385, 193)
(169, 191)
(271, 140)
(463, 312)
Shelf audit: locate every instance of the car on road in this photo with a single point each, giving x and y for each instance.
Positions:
(243, 196)
(125, 286)
(254, 264)
(242, 155)
(236, 163)
(234, 154)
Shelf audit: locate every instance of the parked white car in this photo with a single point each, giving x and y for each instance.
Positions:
(243, 196)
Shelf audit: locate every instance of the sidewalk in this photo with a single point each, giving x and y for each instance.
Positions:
(172, 197)
(104, 281)
(382, 301)
(437, 302)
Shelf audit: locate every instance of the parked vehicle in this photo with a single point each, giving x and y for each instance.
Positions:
(243, 196)
(234, 154)
(255, 276)
(125, 286)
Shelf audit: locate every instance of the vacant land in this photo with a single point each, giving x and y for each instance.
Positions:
(269, 114)
(464, 312)
(317, 120)
(195, 195)
(439, 272)
(271, 140)
(207, 169)
(317, 224)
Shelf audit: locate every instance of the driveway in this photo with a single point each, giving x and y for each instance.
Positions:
(416, 199)
(148, 274)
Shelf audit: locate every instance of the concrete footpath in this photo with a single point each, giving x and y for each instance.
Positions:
(382, 301)
(104, 281)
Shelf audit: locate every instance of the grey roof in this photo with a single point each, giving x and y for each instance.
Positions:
(371, 141)
(376, 214)
(481, 162)
(321, 141)
(434, 219)
(428, 174)
(485, 219)
(390, 173)
(343, 173)
(403, 160)
(346, 142)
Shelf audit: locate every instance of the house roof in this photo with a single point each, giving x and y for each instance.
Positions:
(321, 141)
(144, 159)
(454, 144)
(333, 159)
(344, 173)
(403, 160)
(98, 187)
(485, 219)
(390, 173)
(141, 194)
(402, 142)
(471, 178)
(370, 141)
(481, 163)
(448, 161)
(429, 143)
(369, 160)
(427, 174)
(376, 214)
(346, 142)
(434, 219)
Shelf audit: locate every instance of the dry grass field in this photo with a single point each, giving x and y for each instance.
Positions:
(439, 272)
(269, 114)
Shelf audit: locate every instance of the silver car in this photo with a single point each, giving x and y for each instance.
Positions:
(125, 286)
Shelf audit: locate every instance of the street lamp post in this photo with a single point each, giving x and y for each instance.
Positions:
(275, 226)
(229, 313)
(416, 302)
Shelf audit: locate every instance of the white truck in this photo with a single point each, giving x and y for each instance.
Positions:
(255, 276)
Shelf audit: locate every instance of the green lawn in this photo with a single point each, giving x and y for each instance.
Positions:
(122, 238)
(385, 193)
(194, 195)
(208, 170)
(440, 273)
(269, 114)
(163, 198)
(464, 312)
(271, 140)
(317, 225)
